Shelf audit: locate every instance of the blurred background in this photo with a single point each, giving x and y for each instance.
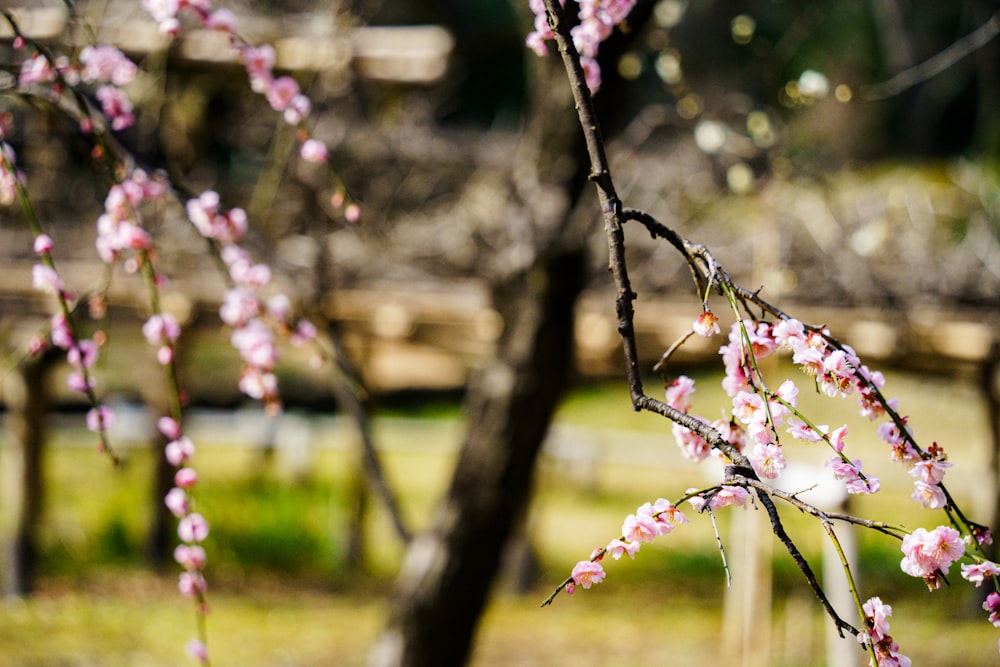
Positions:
(807, 144)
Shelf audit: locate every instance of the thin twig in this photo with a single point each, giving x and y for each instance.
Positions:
(936, 64)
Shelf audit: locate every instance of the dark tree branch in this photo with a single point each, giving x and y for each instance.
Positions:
(936, 64)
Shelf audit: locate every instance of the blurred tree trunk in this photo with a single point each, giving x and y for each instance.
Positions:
(26, 394)
(450, 568)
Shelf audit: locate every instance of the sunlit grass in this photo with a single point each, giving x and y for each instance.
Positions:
(281, 594)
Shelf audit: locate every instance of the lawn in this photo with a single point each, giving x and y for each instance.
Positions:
(281, 593)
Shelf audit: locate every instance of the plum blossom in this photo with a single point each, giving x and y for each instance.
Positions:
(100, 418)
(177, 501)
(190, 556)
(979, 572)
(597, 21)
(693, 446)
(876, 635)
(928, 553)
(191, 584)
(767, 460)
(45, 279)
(992, 605)
(179, 451)
(104, 64)
(640, 528)
(618, 547)
(850, 473)
(116, 106)
(706, 324)
(725, 495)
(587, 573)
(192, 528)
(679, 393)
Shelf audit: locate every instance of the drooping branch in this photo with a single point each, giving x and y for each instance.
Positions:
(936, 64)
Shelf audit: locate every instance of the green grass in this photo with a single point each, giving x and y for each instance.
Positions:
(280, 592)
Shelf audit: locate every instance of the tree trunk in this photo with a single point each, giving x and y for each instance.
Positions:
(449, 569)
(25, 390)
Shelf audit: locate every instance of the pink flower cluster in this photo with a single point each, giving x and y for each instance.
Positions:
(81, 354)
(693, 446)
(929, 554)
(120, 227)
(282, 93)
(723, 496)
(11, 177)
(598, 19)
(837, 371)
(192, 528)
(649, 522)
(877, 635)
(242, 308)
(105, 67)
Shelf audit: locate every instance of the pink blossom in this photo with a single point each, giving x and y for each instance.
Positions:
(930, 471)
(116, 106)
(692, 445)
(305, 331)
(929, 495)
(837, 438)
(837, 376)
(729, 495)
(83, 354)
(169, 427)
(992, 605)
(191, 584)
(749, 408)
(161, 328)
(190, 556)
(258, 384)
(43, 244)
(925, 553)
(61, 335)
(239, 307)
(978, 572)
(78, 381)
(259, 62)
(790, 332)
(679, 393)
(185, 478)
(179, 451)
(100, 418)
(664, 511)
(298, 110)
(177, 501)
(799, 430)
(352, 213)
(640, 528)
(587, 573)
(45, 279)
(878, 618)
(281, 92)
(36, 69)
(192, 528)
(222, 20)
(767, 460)
(314, 151)
(706, 324)
(255, 343)
(850, 473)
(197, 650)
(106, 63)
(619, 547)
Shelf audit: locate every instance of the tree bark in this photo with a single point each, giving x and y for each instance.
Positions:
(449, 569)
(26, 394)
